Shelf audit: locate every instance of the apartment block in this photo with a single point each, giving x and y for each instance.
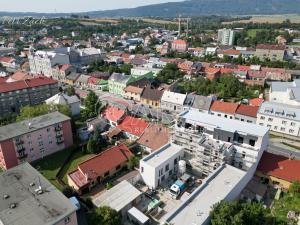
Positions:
(34, 139)
(285, 92)
(280, 118)
(210, 141)
(28, 198)
(22, 93)
(226, 36)
(272, 52)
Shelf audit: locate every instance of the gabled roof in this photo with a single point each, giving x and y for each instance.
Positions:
(155, 136)
(152, 94)
(224, 107)
(105, 161)
(24, 84)
(247, 110)
(173, 97)
(6, 59)
(133, 125)
(280, 167)
(113, 114)
(133, 89)
(179, 42)
(270, 47)
(256, 101)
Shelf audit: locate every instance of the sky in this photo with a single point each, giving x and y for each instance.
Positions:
(71, 5)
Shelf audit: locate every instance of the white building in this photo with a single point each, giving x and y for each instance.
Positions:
(62, 99)
(226, 183)
(226, 36)
(285, 92)
(281, 118)
(159, 165)
(140, 71)
(210, 140)
(172, 102)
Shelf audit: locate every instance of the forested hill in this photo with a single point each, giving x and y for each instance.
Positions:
(198, 8)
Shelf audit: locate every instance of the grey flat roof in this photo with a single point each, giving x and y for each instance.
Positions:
(163, 154)
(195, 210)
(118, 196)
(23, 127)
(209, 120)
(32, 208)
(280, 110)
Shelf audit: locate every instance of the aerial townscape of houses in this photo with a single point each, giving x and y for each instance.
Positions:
(115, 127)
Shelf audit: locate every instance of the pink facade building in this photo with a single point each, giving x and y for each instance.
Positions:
(179, 45)
(34, 139)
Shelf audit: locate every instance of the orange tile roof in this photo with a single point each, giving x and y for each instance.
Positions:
(224, 107)
(19, 75)
(105, 161)
(113, 114)
(179, 42)
(211, 70)
(133, 89)
(247, 110)
(133, 125)
(226, 70)
(256, 101)
(155, 136)
(280, 167)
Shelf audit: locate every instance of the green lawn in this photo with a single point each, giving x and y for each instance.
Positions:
(50, 165)
(77, 158)
(252, 32)
(285, 204)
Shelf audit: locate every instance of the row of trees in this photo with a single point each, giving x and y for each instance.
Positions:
(225, 87)
(110, 68)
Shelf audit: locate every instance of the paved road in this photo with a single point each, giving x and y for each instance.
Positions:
(281, 149)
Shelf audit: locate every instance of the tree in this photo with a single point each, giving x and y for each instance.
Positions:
(68, 191)
(240, 213)
(169, 73)
(29, 112)
(96, 142)
(295, 188)
(133, 162)
(92, 105)
(104, 216)
(70, 91)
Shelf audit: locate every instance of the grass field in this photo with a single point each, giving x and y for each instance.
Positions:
(269, 19)
(252, 33)
(50, 165)
(77, 158)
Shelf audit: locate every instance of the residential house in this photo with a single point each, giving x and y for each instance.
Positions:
(22, 187)
(99, 168)
(172, 102)
(82, 81)
(212, 73)
(73, 102)
(33, 139)
(117, 83)
(154, 137)
(224, 109)
(18, 76)
(60, 72)
(199, 102)
(114, 115)
(278, 170)
(230, 53)
(133, 127)
(246, 113)
(151, 96)
(133, 93)
(71, 78)
(272, 52)
(7, 62)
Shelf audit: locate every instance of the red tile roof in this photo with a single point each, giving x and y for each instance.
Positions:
(113, 114)
(247, 110)
(211, 70)
(3, 80)
(133, 125)
(179, 42)
(105, 161)
(231, 52)
(243, 68)
(256, 101)
(24, 84)
(226, 70)
(78, 178)
(224, 107)
(19, 75)
(6, 59)
(280, 167)
(93, 80)
(270, 47)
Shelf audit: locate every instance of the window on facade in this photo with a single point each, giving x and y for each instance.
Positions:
(284, 122)
(293, 124)
(240, 140)
(270, 119)
(291, 131)
(252, 142)
(142, 169)
(67, 220)
(262, 117)
(282, 129)
(167, 167)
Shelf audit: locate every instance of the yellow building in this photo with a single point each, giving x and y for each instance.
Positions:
(151, 97)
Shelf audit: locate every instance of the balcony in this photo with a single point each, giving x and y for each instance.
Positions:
(58, 128)
(60, 140)
(59, 135)
(19, 142)
(22, 149)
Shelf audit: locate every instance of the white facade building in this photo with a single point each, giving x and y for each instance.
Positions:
(140, 71)
(159, 165)
(226, 36)
(62, 99)
(285, 92)
(280, 118)
(172, 102)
